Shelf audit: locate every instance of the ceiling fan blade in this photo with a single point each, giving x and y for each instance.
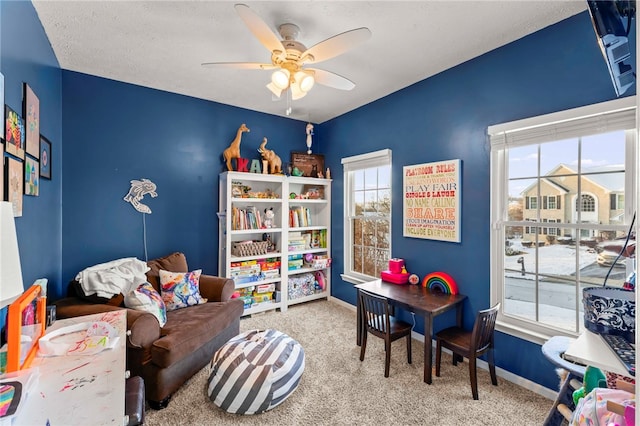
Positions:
(336, 45)
(260, 29)
(240, 65)
(331, 79)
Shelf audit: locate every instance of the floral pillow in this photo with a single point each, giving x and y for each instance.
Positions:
(146, 298)
(181, 289)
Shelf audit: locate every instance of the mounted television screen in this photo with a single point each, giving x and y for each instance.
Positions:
(612, 23)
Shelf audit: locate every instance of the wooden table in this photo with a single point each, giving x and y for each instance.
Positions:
(80, 389)
(416, 299)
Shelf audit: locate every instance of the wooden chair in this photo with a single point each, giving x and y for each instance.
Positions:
(378, 321)
(471, 344)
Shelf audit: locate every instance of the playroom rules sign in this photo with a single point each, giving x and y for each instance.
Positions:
(431, 207)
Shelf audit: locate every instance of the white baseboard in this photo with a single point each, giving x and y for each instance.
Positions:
(507, 375)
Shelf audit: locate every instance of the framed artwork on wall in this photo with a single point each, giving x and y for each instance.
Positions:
(14, 133)
(14, 184)
(45, 158)
(31, 114)
(2, 105)
(31, 177)
(2, 175)
(311, 165)
(431, 201)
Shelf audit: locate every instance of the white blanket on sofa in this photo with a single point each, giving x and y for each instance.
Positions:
(111, 278)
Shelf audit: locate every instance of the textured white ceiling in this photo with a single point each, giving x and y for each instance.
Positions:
(161, 44)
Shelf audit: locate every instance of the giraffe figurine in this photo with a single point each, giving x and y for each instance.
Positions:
(233, 151)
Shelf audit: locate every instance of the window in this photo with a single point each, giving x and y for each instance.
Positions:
(367, 221)
(576, 158)
(588, 203)
(616, 201)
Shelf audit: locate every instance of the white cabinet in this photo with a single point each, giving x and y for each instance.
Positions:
(308, 236)
(286, 263)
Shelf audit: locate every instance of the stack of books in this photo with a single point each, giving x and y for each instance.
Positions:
(245, 272)
(295, 261)
(297, 241)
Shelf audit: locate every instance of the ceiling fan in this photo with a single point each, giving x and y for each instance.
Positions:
(289, 56)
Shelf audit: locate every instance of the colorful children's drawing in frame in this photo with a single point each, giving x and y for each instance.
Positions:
(2, 104)
(15, 181)
(31, 114)
(2, 161)
(45, 158)
(14, 133)
(31, 177)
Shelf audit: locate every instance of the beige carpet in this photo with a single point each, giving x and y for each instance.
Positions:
(337, 389)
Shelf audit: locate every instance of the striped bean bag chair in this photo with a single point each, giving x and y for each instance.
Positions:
(255, 371)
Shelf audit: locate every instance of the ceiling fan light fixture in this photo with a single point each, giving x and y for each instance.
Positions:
(275, 90)
(296, 93)
(305, 80)
(280, 78)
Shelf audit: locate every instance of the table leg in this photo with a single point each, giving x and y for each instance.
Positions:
(428, 332)
(358, 319)
(459, 324)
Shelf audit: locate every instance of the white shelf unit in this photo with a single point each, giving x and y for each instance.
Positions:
(243, 203)
(318, 213)
(318, 223)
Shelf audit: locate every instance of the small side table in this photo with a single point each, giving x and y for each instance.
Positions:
(553, 349)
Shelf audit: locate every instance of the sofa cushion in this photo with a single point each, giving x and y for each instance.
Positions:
(189, 329)
(174, 262)
(181, 289)
(146, 298)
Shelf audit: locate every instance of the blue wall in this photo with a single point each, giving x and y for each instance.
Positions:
(116, 132)
(446, 117)
(26, 56)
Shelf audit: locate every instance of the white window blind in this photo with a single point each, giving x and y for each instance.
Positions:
(366, 161)
(593, 119)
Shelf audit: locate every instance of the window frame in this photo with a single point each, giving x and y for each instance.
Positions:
(597, 118)
(351, 164)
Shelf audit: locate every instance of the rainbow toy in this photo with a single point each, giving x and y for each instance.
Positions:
(440, 282)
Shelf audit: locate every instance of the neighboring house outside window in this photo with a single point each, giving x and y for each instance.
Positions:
(559, 188)
(367, 216)
(562, 190)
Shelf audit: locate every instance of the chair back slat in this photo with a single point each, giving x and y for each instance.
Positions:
(482, 334)
(376, 311)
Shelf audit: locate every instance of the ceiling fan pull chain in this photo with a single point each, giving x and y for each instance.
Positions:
(288, 110)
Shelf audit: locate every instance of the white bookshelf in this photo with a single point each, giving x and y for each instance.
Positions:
(291, 285)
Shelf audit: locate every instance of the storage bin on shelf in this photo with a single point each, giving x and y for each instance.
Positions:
(306, 284)
(249, 248)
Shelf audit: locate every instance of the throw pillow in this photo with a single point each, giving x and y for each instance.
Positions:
(146, 298)
(181, 289)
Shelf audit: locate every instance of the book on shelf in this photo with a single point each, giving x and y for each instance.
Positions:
(299, 216)
(246, 218)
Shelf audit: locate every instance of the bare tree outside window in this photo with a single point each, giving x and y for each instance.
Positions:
(368, 217)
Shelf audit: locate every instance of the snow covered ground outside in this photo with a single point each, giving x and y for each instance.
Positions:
(556, 259)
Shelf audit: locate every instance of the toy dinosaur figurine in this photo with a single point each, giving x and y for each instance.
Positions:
(275, 163)
(233, 151)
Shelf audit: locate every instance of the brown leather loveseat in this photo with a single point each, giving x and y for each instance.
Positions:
(166, 357)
